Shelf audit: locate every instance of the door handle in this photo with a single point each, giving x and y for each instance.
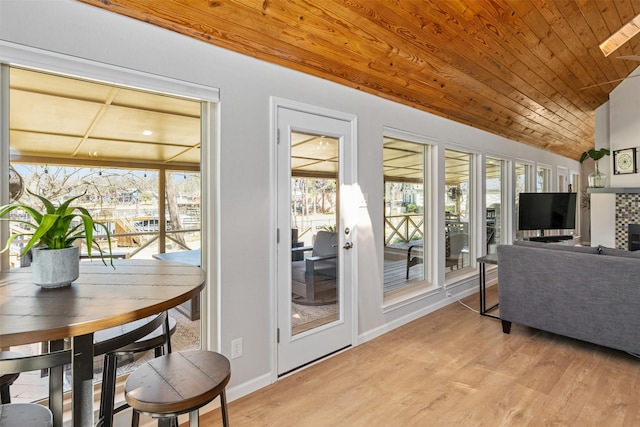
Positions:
(348, 245)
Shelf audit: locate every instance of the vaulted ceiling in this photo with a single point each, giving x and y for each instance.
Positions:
(515, 68)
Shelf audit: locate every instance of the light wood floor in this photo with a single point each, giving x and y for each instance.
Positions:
(453, 368)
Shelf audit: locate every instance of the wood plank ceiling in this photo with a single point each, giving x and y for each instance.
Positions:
(515, 68)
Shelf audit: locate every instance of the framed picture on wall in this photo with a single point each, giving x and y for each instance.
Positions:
(624, 161)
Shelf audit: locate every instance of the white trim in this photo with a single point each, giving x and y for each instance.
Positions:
(273, 220)
(392, 132)
(401, 321)
(24, 56)
(462, 148)
(4, 158)
(210, 320)
(312, 109)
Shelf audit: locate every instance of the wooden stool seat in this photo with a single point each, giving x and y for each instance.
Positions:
(7, 380)
(179, 383)
(25, 415)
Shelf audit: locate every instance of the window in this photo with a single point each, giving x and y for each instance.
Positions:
(458, 211)
(574, 187)
(563, 179)
(405, 239)
(495, 171)
(133, 155)
(543, 179)
(524, 184)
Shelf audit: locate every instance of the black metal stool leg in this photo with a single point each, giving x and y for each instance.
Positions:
(5, 394)
(223, 407)
(107, 396)
(167, 334)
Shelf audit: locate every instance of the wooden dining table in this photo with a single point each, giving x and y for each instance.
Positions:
(191, 308)
(102, 297)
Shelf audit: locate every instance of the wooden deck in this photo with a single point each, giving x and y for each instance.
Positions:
(395, 274)
(395, 268)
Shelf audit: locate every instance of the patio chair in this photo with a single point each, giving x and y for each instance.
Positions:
(320, 267)
(457, 242)
(296, 254)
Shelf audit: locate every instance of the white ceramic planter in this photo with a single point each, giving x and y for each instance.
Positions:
(55, 268)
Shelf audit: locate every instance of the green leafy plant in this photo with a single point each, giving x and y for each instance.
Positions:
(594, 154)
(329, 228)
(55, 227)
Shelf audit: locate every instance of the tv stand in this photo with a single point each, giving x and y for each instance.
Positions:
(550, 239)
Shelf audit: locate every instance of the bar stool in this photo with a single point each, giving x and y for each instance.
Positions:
(25, 415)
(54, 361)
(7, 380)
(178, 383)
(158, 340)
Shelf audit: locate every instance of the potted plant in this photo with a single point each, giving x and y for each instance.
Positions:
(53, 232)
(596, 179)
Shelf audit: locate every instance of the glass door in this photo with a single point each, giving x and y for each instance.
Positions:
(314, 252)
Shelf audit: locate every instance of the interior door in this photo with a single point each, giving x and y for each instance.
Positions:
(316, 233)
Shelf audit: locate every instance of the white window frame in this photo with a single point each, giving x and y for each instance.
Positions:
(476, 205)
(506, 195)
(547, 184)
(15, 55)
(408, 294)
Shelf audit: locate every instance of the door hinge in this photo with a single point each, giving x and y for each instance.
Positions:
(277, 235)
(278, 136)
(278, 334)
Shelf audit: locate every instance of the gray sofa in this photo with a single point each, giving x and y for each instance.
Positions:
(588, 293)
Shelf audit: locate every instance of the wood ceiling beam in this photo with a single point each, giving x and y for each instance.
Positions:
(107, 164)
(101, 112)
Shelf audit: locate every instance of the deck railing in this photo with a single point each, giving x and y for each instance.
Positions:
(403, 228)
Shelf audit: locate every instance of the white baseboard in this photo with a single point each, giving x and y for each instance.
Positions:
(240, 390)
(396, 323)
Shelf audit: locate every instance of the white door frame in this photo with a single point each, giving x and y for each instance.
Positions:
(352, 213)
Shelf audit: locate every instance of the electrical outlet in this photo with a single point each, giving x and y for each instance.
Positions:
(236, 348)
(449, 295)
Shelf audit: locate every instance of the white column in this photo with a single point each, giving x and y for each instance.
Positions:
(603, 219)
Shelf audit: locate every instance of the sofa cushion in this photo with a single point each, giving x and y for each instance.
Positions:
(557, 247)
(618, 252)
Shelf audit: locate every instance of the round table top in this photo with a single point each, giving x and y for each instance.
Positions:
(102, 297)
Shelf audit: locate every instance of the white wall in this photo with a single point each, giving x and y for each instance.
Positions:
(617, 127)
(624, 128)
(246, 86)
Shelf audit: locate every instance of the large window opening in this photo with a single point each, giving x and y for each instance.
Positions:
(525, 183)
(574, 187)
(458, 211)
(495, 195)
(543, 179)
(133, 155)
(314, 233)
(406, 243)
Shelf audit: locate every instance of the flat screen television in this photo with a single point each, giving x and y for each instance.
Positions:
(547, 211)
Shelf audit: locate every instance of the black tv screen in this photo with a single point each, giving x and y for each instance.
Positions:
(547, 211)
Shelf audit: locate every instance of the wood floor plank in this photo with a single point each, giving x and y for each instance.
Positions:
(453, 367)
